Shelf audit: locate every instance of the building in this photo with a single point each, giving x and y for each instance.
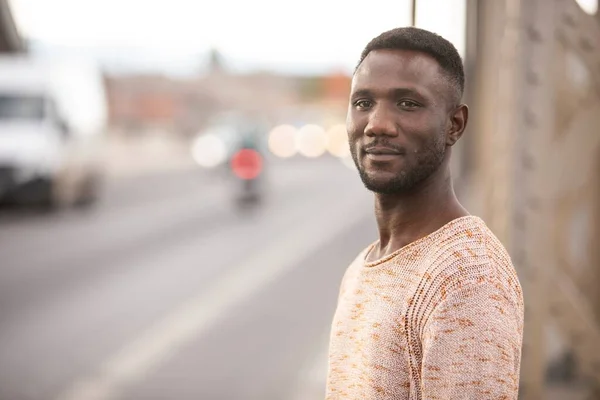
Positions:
(183, 106)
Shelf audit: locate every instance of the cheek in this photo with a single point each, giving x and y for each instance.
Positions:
(423, 131)
(417, 121)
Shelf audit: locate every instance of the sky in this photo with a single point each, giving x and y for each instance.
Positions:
(174, 35)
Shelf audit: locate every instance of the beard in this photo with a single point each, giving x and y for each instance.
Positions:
(426, 162)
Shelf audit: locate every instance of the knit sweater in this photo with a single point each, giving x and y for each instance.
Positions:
(441, 318)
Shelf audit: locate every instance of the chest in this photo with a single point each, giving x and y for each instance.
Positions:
(369, 337)
(371, 317)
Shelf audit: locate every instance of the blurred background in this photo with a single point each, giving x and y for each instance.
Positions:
(178, 203)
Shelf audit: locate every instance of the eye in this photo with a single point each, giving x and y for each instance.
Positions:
(363, 104)
(409, 104)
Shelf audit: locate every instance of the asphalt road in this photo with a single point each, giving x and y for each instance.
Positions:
(167, 290)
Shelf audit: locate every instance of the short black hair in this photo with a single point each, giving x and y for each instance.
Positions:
(421, 40)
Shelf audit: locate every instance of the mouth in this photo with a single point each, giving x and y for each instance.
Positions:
(382, 154)
(382, 150)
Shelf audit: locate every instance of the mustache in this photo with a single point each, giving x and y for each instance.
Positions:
(384, 143)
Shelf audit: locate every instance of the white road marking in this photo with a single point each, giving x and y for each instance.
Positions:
(197, 315)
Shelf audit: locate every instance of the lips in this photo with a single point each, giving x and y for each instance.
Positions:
(382, 151)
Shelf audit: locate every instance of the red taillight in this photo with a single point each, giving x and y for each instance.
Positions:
(246, 164)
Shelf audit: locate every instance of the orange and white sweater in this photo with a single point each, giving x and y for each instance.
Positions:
(441, 318)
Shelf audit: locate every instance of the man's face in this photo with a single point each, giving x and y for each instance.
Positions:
(397, 119)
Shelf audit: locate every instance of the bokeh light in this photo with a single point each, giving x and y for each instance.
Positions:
(246, 164)
(337, 141)
(209, 151)
(311, 141)
(282, 141)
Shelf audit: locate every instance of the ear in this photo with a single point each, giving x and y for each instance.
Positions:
(457, 124)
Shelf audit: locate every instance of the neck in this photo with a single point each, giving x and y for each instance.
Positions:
(405, 217)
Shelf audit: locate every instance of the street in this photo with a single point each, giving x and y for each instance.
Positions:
(166, 290)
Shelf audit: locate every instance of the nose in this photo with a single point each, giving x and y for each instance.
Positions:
(381, 123)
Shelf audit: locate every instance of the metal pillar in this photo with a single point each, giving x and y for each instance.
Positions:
(535, 132)
(530, 147)
(503, 188)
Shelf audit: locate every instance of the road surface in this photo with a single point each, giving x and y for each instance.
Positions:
(165, 290)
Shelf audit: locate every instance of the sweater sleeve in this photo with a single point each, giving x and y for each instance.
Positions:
(471, 343)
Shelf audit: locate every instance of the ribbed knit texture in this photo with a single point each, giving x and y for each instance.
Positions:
(441, 318)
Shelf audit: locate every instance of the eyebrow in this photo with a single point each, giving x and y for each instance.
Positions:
(396, 92)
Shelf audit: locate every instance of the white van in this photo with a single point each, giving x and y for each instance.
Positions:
(52, 122)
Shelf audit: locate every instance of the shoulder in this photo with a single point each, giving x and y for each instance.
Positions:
(466, 250)
(465, 254)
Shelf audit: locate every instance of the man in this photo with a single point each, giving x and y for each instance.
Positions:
(434, 308)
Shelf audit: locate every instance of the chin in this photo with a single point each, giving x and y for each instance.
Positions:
(383, 188)
(382, 182)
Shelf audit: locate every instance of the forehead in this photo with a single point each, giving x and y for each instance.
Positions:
(387, 69)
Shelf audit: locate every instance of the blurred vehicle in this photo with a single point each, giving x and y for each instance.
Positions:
(234, 147)
(248, 168)
(52, 120)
